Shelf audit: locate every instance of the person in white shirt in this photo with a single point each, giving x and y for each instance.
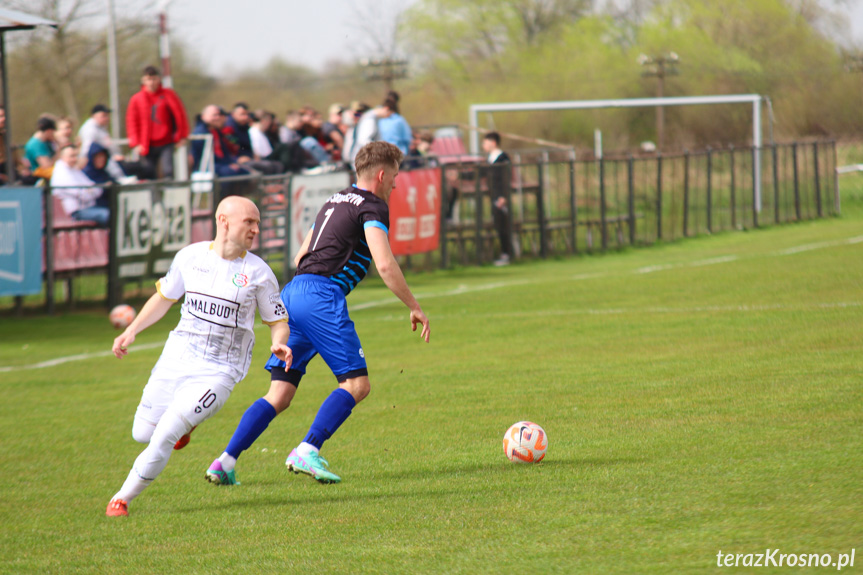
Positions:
(77, 192)
(367, 129)
(261, 145)
(95, 129)
(209, 351)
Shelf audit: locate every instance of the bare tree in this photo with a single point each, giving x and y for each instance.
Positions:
(378, 26)
(60, 57)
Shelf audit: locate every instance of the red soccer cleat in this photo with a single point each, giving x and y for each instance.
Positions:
(184, 441)
(117, 508)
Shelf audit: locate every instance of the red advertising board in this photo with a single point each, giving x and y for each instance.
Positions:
(415, 212)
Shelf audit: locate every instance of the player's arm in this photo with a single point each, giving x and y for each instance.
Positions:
(154, 310)
(279, 333)
(304, 249)
(392, 275)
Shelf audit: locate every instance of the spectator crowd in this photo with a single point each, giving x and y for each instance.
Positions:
(221, 142)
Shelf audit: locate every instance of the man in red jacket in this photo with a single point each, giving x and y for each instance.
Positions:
(156, 121)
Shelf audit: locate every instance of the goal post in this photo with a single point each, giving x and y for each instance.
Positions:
(753, 99)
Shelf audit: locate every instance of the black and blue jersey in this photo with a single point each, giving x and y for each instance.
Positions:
(338, 248)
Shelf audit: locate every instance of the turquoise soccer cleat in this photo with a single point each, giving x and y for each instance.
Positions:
(313, 465)
(218, 476)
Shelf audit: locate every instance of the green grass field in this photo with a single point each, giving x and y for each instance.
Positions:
(699, 396)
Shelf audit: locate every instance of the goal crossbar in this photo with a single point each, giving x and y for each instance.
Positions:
(753, 99)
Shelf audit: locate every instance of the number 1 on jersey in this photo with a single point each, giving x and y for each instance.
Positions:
(327, 215)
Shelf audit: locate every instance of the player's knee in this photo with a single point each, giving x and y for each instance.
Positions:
(279, 402)
(142, 431)
(359, 388)
(280, 395)
(363, 392)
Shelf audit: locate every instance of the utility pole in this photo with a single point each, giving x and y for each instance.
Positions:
(660, 67)
(164, 44)
(854, 64)
(113, 89)
(386, 70)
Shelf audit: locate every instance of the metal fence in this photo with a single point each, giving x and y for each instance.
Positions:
(557, 206)
(568, 207)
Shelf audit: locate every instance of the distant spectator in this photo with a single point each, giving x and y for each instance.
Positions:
(265, 160)
(290, 131)
(155, 123)
(39, 150)
(350, 119)
(261, 145)
(289, 151)
(63, 136)
(499, 175)
(97, 171)
(76, 190)
(312, 138)
(236, 130)
(368, 128)
(419, 152)
(272, 127)
(97, 165)
(393, 128)
(332, 129)
(4, 155)
(19, 170)
(212, 121)
(95, 130)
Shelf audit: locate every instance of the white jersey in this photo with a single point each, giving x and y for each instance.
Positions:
(216, 328)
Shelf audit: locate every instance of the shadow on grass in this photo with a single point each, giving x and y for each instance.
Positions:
(450, 470)
(448, 474)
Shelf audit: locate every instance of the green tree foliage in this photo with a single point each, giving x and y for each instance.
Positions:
(484, 51)
(481, 52)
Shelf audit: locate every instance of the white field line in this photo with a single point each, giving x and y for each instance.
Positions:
(81, 356)
(819, 245)
(464, 289)
(647, 310)
(695, 264)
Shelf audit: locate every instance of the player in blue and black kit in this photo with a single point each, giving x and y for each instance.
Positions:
(349, 232)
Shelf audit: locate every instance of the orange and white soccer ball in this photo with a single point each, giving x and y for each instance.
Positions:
(121, 316)
(525, 442)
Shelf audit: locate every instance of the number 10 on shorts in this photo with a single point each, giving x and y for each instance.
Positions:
(206, 401)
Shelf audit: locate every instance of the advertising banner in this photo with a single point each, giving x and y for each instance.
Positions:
(308, 196)
(415, 212)
(152, 224)
(20, 241)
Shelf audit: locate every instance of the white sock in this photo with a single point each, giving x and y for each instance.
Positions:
(305, 449)
(132, 487)
(154, 458)
(228, 461)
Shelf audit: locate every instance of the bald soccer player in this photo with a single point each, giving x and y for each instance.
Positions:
(350, 231)
(209, 351)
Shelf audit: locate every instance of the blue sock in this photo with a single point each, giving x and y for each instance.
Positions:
(333, 412)
(252, 425)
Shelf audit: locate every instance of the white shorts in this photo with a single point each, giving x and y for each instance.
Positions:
(195, 395)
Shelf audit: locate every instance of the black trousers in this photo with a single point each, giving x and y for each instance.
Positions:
(503, 228)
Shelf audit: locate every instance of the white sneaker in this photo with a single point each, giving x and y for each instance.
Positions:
(503, 260)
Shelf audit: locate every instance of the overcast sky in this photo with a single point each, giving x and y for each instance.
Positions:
(308, 32)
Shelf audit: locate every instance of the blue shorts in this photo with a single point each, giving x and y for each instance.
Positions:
(319, 322)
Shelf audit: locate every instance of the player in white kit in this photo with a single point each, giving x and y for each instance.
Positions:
(210, 349)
